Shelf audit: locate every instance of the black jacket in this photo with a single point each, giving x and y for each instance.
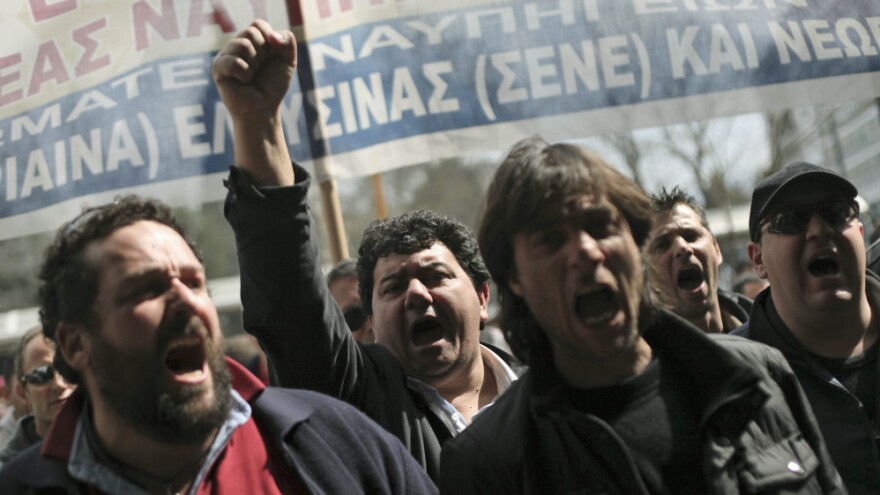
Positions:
(851, 439)
(24, 436)
(736, 305)
(288, 307)
(757, 433)
(330, 446)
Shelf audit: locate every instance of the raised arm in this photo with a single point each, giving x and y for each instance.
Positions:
(286, 303)
(253, 73)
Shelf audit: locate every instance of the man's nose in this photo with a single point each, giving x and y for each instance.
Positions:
(681, 248)
(588, 250)
(417, 295)
(58, 382)
(818, 226)
(183, 300)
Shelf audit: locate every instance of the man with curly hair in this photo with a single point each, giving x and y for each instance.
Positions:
(422, 281)
(157, 408)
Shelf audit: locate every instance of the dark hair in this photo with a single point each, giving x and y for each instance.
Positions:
(69, 284)
(665, 201)
(344, 269)
(22, 344)
(412, 232)
(538, 179)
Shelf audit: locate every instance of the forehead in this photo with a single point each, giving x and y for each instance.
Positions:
(396, 263)
(345, 282)
(141, 243)
(680, 216)
(37, 352)
(572, 209)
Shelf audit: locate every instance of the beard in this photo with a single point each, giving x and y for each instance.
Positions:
(131, 385)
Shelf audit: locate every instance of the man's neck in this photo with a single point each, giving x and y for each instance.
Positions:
(41, 427)
(586, 372)
(471, 389)
(835, 334)
(711, 321)
(153, 464)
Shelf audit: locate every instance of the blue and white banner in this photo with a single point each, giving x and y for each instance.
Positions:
(104, 97)
(100, 97)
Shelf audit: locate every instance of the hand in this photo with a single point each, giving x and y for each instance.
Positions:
(254, 70)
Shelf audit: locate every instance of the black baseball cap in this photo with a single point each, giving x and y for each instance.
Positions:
(769, 196)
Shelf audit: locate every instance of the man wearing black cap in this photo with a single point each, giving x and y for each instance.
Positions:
(820, 308)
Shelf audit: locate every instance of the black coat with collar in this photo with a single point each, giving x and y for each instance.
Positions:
(757, 433)
(849, 434)
(289, 309)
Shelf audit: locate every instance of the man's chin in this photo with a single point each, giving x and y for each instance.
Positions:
(431, 372)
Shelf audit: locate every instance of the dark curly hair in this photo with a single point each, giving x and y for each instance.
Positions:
(412, 232)
(69, 284)
(535, 181)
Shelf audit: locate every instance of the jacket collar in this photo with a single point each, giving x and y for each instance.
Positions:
(275, 399)
(59, 440)
(49, 469)
(718, 375)
(766, 326)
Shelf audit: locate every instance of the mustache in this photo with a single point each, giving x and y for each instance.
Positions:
(180, 326)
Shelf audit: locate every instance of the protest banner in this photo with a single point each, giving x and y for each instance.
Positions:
(97, 97)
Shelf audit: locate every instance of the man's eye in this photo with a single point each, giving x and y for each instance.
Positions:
(436, 278)
(690, 236)
(149, 290)
(551, 237)
(390, 289)
(598, 230)
(660, 245)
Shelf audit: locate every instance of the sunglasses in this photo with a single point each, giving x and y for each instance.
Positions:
(837, 212)
(41, 375)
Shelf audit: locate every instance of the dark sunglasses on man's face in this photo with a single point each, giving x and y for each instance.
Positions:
(837, 212)
(41, 375)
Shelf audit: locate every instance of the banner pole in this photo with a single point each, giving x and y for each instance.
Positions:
(333, 220)
(379, 195)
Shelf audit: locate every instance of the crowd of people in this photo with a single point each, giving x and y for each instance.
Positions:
(631, 371)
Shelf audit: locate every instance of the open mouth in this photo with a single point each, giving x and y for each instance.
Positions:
(690, 278)
(822, 266)
(426, 331)
(596, 306)
(185, 358)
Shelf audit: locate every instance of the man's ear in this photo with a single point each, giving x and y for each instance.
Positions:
(73, 343)
(757, 259)
(719, 256)
(483, 294)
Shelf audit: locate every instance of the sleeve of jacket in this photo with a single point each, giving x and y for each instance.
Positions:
(334, 448)
(465, 469)
(285, 299)
(458, 473)
(802, 412)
